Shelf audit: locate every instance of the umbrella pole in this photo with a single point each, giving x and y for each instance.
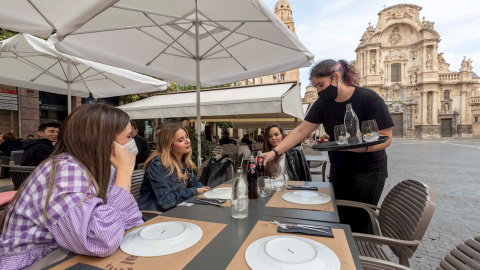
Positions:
(197, 87)
(69, 86)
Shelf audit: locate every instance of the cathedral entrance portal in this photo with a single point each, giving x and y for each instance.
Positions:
(446, 126)
(397, 130)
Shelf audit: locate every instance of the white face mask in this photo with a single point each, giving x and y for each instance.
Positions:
(130, 146)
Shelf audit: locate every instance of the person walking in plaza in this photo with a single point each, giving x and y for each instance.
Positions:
(356, 174)
(71, 200)
(142, 145)
(169, 178)
(38, 150)
(292, 162)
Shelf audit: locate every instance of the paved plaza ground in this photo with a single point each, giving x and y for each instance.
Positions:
(452, 168)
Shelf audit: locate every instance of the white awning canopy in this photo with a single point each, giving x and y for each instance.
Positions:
(265, 101)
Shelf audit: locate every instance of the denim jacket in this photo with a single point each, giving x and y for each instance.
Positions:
(160, 191)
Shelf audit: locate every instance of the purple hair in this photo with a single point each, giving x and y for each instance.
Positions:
(327, 67)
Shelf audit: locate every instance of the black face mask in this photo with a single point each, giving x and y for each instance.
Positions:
(329, 94)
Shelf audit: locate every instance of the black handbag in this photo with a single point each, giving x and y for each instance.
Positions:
(216, 171)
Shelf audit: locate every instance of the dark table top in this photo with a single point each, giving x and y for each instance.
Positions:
(221, 250)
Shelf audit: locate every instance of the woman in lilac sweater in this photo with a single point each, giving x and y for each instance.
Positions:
(71, 200)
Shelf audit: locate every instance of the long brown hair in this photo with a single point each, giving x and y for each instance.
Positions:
(9, 136)
(271, 166)
(87, 135)
(164, 149)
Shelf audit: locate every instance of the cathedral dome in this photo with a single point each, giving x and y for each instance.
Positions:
(282, 4)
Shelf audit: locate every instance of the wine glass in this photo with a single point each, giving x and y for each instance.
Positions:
(264, 186)
(279, 181)
(340, 132)
(370, 130)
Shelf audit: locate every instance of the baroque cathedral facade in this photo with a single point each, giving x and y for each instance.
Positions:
(399, 59)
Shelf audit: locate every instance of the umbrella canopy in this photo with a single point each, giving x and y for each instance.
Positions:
(195, 42)
(43, 17)
(260, 102)
(26, 61)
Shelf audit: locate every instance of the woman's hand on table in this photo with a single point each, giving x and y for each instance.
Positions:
(202, 190)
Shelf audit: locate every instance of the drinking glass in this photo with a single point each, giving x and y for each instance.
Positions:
(370, 130)
(264, 185)
(340, 132)
(279, 181)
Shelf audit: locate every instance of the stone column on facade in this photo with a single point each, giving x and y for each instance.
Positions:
(377, 61)
(368, 62)
(423, 109)
(424, 59)
(463, 104)
(434, 58)
(434, 109)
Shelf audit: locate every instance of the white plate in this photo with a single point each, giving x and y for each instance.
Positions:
(219, 193)
(306, 197)
(290, 252)
(161, 239)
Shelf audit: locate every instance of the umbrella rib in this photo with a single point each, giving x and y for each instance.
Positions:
(122, 28)
(228, 47)
(106, 77)
(44, 71)
(80, 74)
(174, 39)
(146, 33)
(219, 41)
(143, 11)
(41, 14)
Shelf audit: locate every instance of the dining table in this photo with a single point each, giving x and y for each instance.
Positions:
(225, 239)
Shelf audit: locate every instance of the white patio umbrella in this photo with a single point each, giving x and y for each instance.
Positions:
(195, 42)
(42, 17)
(27, 61)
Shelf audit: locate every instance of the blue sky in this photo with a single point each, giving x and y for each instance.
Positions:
(332, 29)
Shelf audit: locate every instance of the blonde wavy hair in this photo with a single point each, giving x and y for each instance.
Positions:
(164, 149)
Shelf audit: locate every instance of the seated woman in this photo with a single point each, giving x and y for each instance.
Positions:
(169, 178)
(72, 200)
(291, 163)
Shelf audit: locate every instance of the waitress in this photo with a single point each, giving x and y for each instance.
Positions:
(356, 174)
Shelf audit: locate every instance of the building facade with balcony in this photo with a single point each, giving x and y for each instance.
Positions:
(399, 59)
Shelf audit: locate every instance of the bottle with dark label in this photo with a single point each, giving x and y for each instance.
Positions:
(260, 165)
(252, 179)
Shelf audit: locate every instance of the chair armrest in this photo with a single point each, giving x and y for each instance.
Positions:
(149, 213)
(378, 264)
(370, 208)
(385, 240)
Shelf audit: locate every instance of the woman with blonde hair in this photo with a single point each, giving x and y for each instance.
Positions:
(169, 178)
(73, 200)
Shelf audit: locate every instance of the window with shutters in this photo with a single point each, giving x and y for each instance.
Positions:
(396, 72)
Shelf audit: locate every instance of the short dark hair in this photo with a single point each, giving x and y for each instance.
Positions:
(30, 135)
(44, 126)
(134, 125)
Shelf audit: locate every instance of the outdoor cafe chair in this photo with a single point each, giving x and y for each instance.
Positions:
(400, 222)
(17, 156)
(466, 256)
(137, 179)
(19, 174)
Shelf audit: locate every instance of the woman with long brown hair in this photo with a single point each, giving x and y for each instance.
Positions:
(291, 163)
(169, 178)
(73, 200)
(10, 143)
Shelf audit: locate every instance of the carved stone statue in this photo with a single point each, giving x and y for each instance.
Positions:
(372, 66)
(446, 107)
(464, 66)
(469, 64)
(429, 60)
(381, 72)
(440, 58)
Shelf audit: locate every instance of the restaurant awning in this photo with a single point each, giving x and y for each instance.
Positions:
(280, 100)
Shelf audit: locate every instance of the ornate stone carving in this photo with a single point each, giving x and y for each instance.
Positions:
(464, 66)
(395, 37)
(427, 24)
(429, 60)
(469, 64)
(413, 53)
(372, 65)
(399, 12)
(395, 55)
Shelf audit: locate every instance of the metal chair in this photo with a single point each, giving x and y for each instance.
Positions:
(19, 174)
(466, 256)
(17, 156)
(137, 179)
(400, 222)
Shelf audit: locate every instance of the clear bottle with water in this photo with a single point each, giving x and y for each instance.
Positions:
(239, 196)
(354, 135)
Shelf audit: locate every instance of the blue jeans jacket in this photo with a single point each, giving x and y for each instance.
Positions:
(160, 191)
